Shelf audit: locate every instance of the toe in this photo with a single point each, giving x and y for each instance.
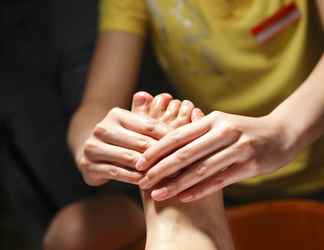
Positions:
(141, 102)
(184, 115)
(196, 114)
(159, 105)
(172, 111)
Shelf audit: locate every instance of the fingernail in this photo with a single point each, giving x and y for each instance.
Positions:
(140, 163)
(186, 198)
(160, 194)
(144, 183)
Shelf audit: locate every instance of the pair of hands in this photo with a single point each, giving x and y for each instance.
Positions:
(164, 138)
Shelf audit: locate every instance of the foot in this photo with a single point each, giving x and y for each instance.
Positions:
(172, 224)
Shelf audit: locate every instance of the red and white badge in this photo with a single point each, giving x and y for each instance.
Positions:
(275, 24)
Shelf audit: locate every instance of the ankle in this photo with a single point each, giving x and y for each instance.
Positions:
(203, 220)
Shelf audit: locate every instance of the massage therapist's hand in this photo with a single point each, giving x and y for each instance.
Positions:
(214, 152)
(115, 146)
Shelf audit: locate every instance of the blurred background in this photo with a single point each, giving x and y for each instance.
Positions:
(45, 49)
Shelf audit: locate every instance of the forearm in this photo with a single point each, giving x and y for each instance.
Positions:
(303, 112)
(111, 81)
(83, 122)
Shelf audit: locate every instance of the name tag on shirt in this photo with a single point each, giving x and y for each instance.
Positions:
(277, 23)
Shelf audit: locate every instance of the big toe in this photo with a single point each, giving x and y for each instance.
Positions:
(141, 102)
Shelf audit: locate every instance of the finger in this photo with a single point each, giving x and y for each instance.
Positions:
(94, 182)
(183, 157)
(141, 102)
(196, 114)
(114, 172)
(172, 141)
(184, 115)
(233, 174)
(200, 171)
(172, 111)
(133, 122)
(100, 152)
(159, 105)
(122, 137)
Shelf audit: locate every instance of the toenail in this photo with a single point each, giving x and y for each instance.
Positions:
(139, 100)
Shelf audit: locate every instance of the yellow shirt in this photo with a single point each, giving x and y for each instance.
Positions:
(207, 50)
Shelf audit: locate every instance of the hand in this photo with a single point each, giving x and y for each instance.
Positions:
(115, 146)
(214, 152)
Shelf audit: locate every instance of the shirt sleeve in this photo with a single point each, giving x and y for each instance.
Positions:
(123, 15)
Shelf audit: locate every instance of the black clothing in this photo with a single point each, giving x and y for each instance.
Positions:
(41, 80)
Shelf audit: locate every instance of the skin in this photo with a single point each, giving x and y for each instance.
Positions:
(171, 222)
(223, 149)
(320, 6)
(83, 225)
(178, 225)
(255, 136)
(244, 141)
(105, 138)
(99, 129)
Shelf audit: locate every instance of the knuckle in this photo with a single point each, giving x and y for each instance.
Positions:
(149, 127)
(182, 155)
(91, 179)
(248, 146)
(100, 130)
(227, 129)
(115, 111)
(113, 173)
(201, 170)
(216, 113)
(90, 146)
(143, 144)
(129, 158)
(84, 164)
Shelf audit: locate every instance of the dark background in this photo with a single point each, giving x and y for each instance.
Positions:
(45, 48)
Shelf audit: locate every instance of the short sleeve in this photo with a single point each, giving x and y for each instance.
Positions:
(123, 15)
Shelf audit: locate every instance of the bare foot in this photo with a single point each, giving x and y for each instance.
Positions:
(172, 224)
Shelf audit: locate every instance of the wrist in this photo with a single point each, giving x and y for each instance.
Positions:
(292, 131)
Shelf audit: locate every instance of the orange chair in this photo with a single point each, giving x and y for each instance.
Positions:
(279, 225)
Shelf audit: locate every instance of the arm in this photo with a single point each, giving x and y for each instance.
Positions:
(303, 112)
(222, 149)
(320, 6)
(114, 67)
(105, 139)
